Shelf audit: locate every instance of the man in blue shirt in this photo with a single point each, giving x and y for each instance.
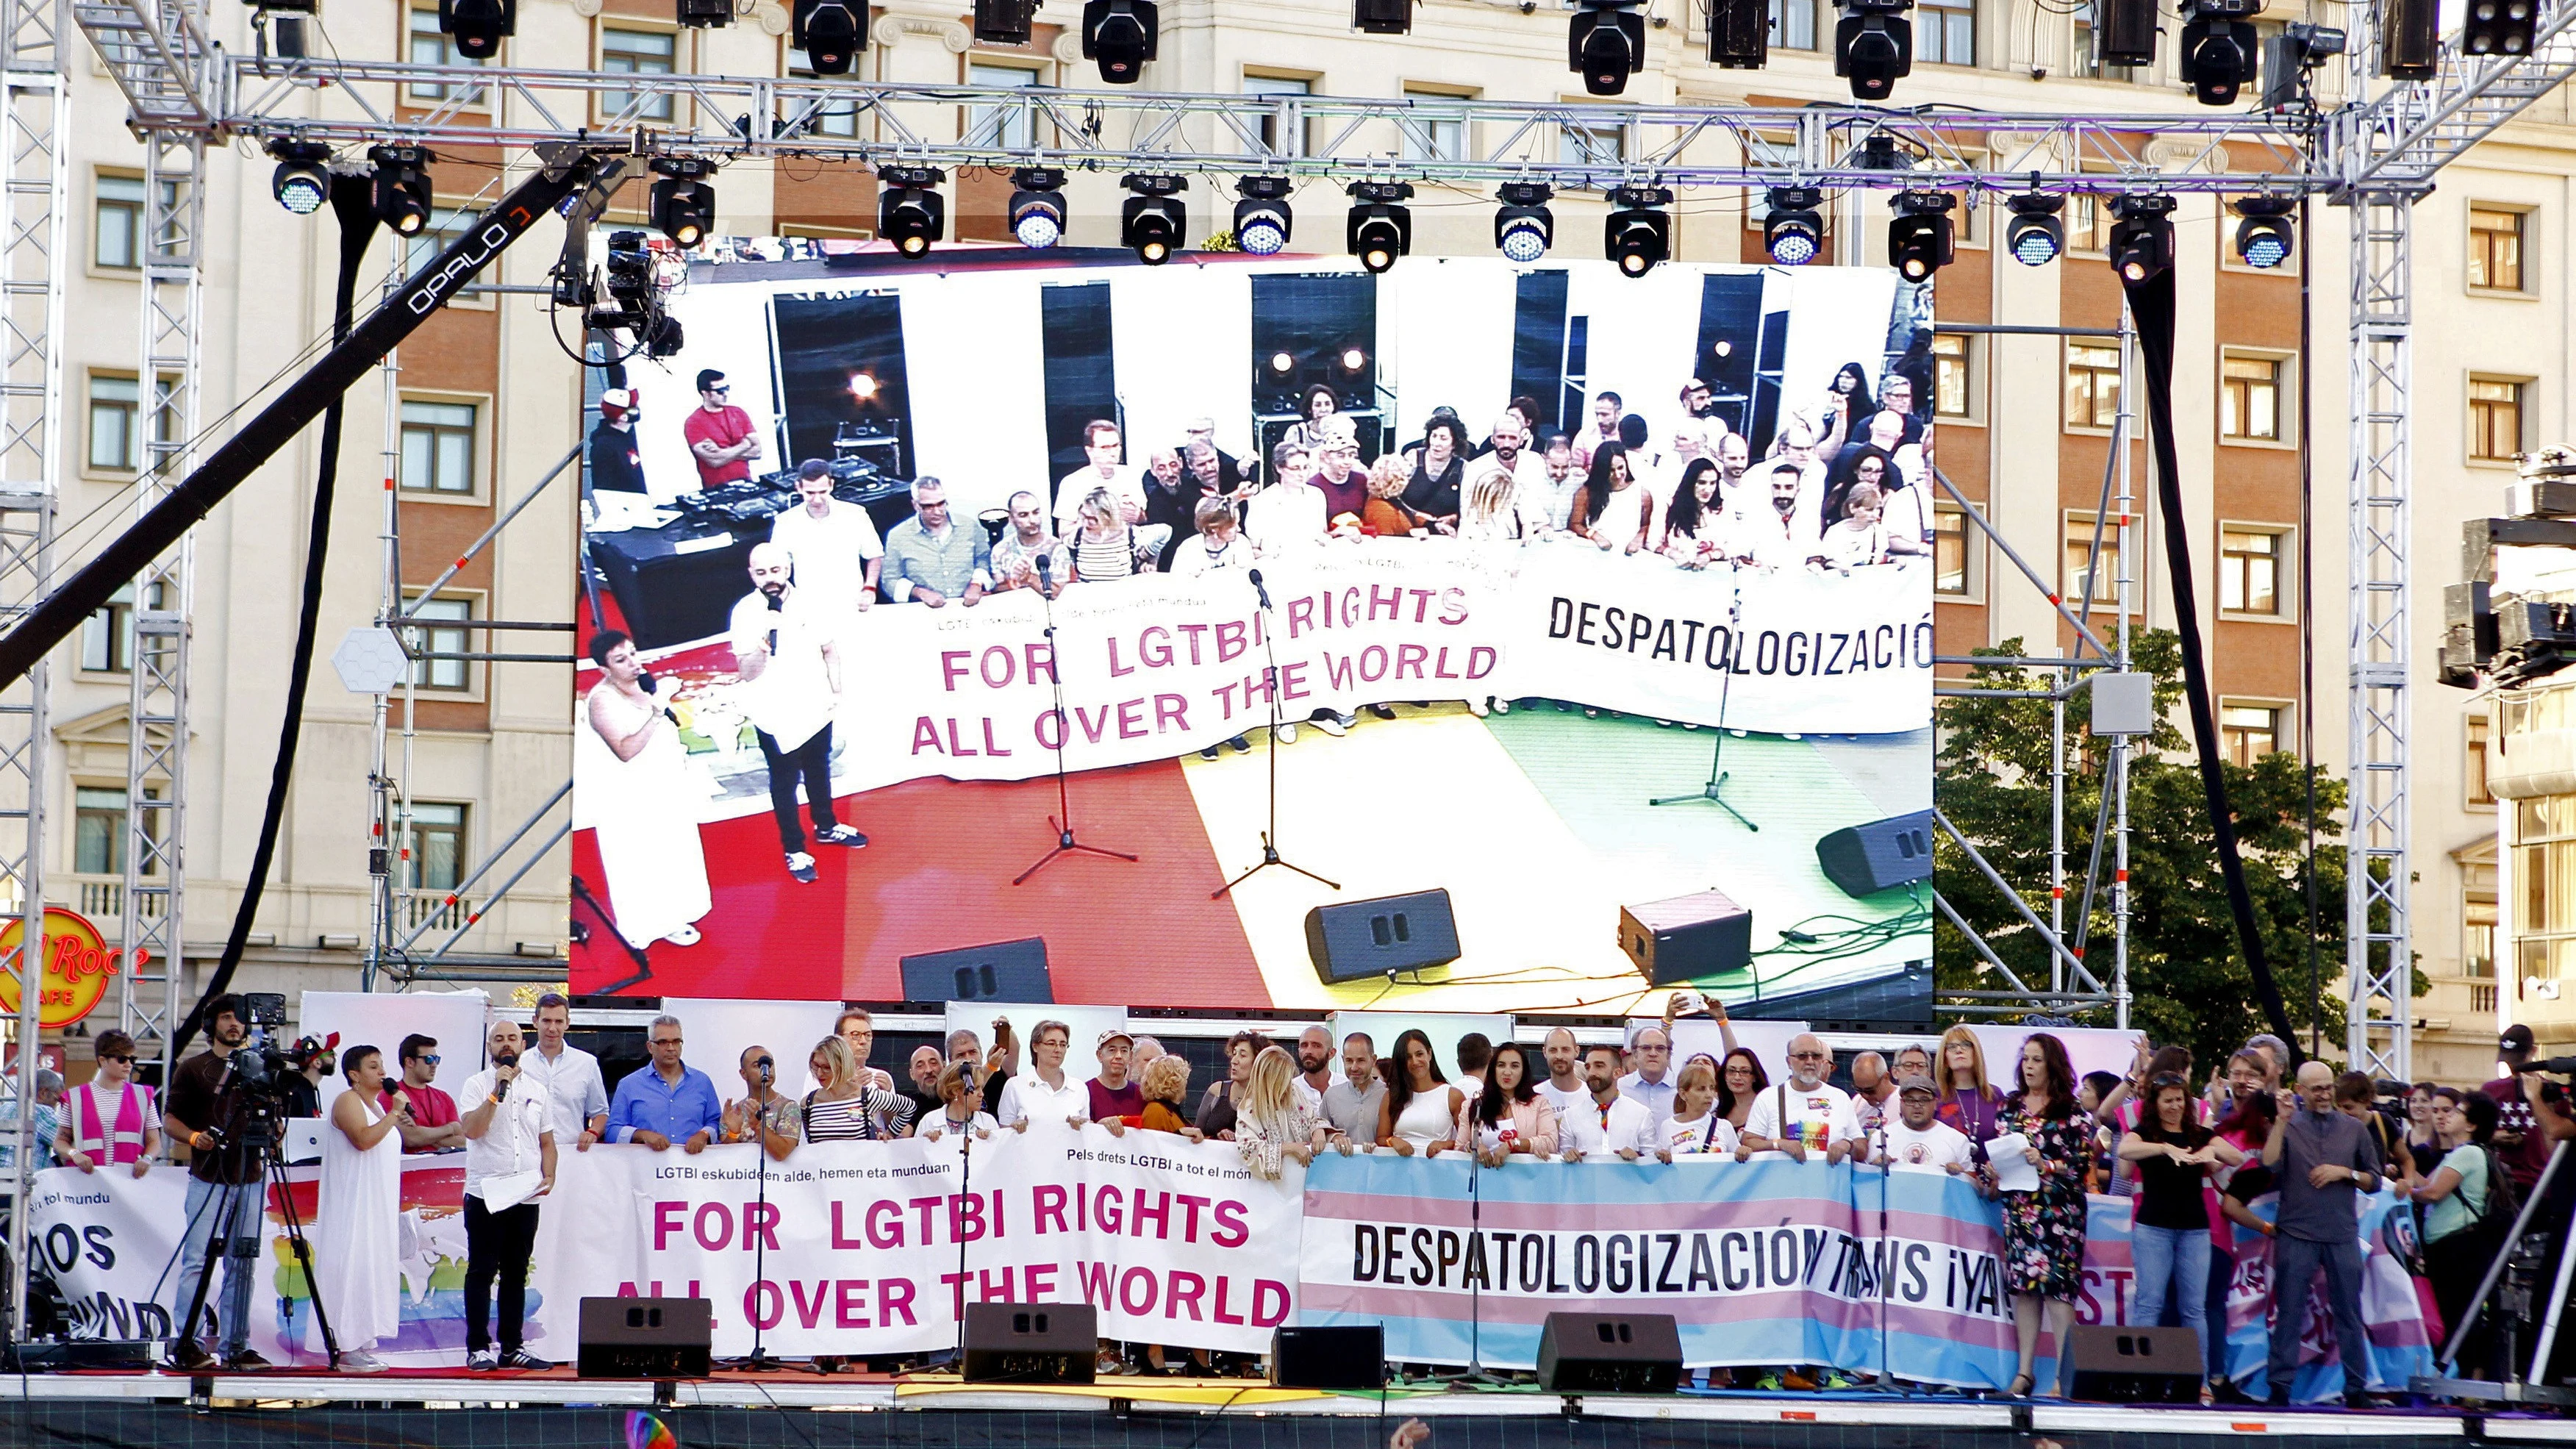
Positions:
(667, 1102)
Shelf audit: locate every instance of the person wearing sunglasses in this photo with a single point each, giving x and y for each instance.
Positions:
(109, 1118)
(720, 435)
(434, 1125)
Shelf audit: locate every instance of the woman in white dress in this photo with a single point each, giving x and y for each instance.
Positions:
(1420, 1113)
(648, 804)
(357, 1261)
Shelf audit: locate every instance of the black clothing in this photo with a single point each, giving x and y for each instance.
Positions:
(1435, 497)
(497, 1244)
(616, 465)
(195, 1099)
(2169, 1193)
(303, 1099)
(810, 762)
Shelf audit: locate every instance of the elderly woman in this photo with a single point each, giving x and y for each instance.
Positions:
(1438, 475)
(1386, 514)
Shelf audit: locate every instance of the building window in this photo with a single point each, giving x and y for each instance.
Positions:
(829, 117)
(114, 404)
(107, 636)
(1945, 32)
(1950, 376)
(2092, 385)
(1579, 144)
(1006, 126)
(1793, 24)
(2476, 765)
(438, 447)
(428, 637)
(2084, 580)
(2495, 419)
(2249, 399)
(2088, 223)
(2543, 930)
(118, 227)
(441, 231)
(2247, 732)
(1267, 85)
(1949, 550)
(2495, 248)
(428, 45)
(1428, 138)
(2249, 572)
(437, 846)
(637, 52)
(98, 832)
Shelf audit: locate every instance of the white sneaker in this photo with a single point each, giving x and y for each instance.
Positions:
(1334, 725)
(1502, 706)
(1285, 734)
(685, 936)
(1477, 708)
(359, 1361)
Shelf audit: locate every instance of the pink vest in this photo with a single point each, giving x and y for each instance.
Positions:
(118, 1141)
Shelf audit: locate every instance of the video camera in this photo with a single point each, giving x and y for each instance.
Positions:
(255, 1076)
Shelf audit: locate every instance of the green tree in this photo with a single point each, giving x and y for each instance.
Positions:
(2188, 979)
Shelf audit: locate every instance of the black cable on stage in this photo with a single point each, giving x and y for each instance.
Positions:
(352, 203)
(2151, 304)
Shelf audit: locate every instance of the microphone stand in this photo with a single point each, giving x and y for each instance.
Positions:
(1062, 821)
(1270, 686)
(760, 1362)
(1715, 790)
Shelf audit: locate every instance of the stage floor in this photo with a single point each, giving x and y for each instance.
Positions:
(559, 1411)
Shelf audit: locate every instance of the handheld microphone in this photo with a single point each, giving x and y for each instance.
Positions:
(1258, 588)
(1045, 567)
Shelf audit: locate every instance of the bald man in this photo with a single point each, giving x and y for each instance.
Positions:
(2321, 1159)
(784, 648)
(1564, 1088)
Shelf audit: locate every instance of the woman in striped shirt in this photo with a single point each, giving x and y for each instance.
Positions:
(844, 1107)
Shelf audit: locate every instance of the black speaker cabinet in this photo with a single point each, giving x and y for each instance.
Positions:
(1610, 1353)
(2410, 40)
(1686, 937)
(1864, 859)
(1739, 34)
(646, 1338)
(1031, 1343)
(1013, 971)
(1356, 939)
(2137, 1365)
(1347, 1357)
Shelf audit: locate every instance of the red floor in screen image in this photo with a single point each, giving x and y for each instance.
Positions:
(936, 875)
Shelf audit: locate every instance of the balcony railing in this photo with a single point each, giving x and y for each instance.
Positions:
(103, 899)
(433, 911)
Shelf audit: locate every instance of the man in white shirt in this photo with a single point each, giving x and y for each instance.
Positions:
(835, 544)
(1804, 1117)
(1606, 408)
(576, 1094)
(1873, 1092)
(509, 1156)
(1606, 1122)
(1780, 538)
(790, 657)
(1314, 1068)
(1652, 1082)
(1564, 1089)
(1286, 514)
(1104, 447)
(1350, 1105)
(1046, 1091)
(1916, 1138)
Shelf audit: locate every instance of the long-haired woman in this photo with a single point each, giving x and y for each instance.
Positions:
(1271, 1126)
(1695, 515)
(2171, 1154)
(1314, 405)
(2456, 1251)
(2044, 1227)
(1508, 1116)
(1969, 1101)
(1847, 405)
(1612, 511)
(1421, 1109)
(1740, 1079)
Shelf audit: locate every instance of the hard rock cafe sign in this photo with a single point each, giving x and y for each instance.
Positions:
(76, 964)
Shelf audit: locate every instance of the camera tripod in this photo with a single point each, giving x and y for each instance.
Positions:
(259, 1139)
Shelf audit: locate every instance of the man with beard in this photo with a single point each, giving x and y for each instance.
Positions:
(225, 1196)
(1734, 456)
(1561, 481)
(1314, 1068)
(1772, 539)
(1171, 500)
(1229, 470)
(791, 689)
(1016, 555)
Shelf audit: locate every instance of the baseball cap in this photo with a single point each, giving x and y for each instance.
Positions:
(1917, 1083)
(1112, 1034)
(616, 403)
(2517, 1037)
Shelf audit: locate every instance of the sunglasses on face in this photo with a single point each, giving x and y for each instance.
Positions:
(432, 1058)
(727, 388)
(125, 1057)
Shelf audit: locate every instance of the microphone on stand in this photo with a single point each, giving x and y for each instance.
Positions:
(1259, 589)
(1044, 570)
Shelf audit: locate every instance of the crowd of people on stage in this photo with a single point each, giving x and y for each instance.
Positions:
(2193, 1154)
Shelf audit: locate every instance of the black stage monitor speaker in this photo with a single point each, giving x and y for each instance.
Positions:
(1610, 1353)
(1031, 1343)
(1381, 937)
(2137, 1365)
(1686, 937)
(646, 1338)
(1349, 1357)
(1013, 971)
(1863, 859)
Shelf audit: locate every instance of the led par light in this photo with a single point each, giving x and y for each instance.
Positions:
(1606, 44)
(1262, 219)
(910, 211)
(829, 32)
(2499, 27)
(1037, 206)
(2218, 47)
(2142, 240)
(2035, 236)
(1640, 233)
(1874, 46)
(1523, 227)
(478, 26)
(1920, 240)
(402, 187)
(301, 184)
(1120, 35)
(1794, 232)
(1381, 226)
(2266, 236)
(684, 205)
(1150, 223)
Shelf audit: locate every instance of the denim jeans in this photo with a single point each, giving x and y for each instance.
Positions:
(241, 1258)
(2175, 1257)
(2294, 1266)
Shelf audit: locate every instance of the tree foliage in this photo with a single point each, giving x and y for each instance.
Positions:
(2188, 977)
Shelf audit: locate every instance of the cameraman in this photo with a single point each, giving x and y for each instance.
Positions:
(2521, 1138)
(225, 1192)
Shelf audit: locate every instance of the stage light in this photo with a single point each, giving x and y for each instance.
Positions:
(478, 26)
(2035, 236)
(300, 185)
(1037, 206)
(2266, 236)
(1874, 46)
(1920, 240)
(863, 386)
(402, 187)
(1606, 44)
(1524, 228)
(2217, 49)
(1353, 359)
(2499, 27)
(829, 32)
(2142, 240)
(1381, 226)
(1120, 35)
(1263, 221)
(1640, 233)
(684, 205)
(1382, 17)
(1005, 22)
(703, 14)
(1739, 34)
(910, 211)
(1794, 232)
(1151, 222)
(1282, 364)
